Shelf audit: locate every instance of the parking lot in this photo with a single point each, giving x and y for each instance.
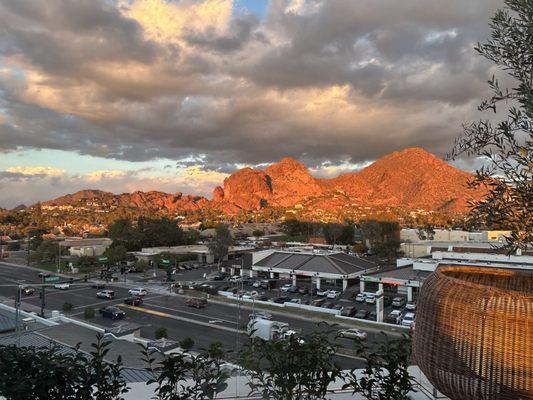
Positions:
(280, 291)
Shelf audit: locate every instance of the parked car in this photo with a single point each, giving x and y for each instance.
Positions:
(112, 312)
(333, 294)
(247, 282)
(348, 310)
(338, 307)
(394, 317)
(279, 300)
(235, 279)
(353, 333)
(411, 306)
(398, 302)
(373, 316)
(321, 292)
(387, 301)
(293, 289)
(27, 290)
(106, 294)
(296, 301)
(285, 288)
(408, 319)
(138, 291)
(262, 297)
(370, 298)
(362, 314)
(44, 274)
(303, 290)
(134, 301)
(360, 298)
(62, 286)
(197, 302)
(328, 304)
(318, 302)
(219, 277)
(257, 284)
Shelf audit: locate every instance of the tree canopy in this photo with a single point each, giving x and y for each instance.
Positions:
(505, 141)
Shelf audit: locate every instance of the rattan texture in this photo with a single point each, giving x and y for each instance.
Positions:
(474, 332)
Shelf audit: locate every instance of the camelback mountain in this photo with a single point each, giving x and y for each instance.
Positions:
(411, 178)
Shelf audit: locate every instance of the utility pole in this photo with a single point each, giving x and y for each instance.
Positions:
(43, 293)
(17, 312)
(28, 250)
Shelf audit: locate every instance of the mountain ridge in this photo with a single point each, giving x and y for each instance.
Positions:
(411, 178)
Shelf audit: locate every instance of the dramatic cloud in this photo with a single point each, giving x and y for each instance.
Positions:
(335, 82)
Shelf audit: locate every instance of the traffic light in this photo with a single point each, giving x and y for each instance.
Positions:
(85, 278)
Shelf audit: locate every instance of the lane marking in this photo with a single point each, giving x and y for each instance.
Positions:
(177, 318)
(191, 313)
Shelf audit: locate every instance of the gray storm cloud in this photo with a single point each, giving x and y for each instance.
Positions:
(317, 80)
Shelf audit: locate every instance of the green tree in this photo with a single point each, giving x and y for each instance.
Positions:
(506, 145)
(47, 251)
(161, 333)
(291, 368)
(29, 373)
(220, 244)
(385, 376)
(258, 233)
(123, 233)
(183, 376)
(67, 307)
(160, 232)
(89, 313)
(116, 253)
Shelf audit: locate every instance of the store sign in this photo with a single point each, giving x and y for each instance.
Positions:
(102, 259)
(164, 261)
(51, 279)
(390, 282)
(371, 279)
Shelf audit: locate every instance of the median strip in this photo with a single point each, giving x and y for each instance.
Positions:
(175, 317)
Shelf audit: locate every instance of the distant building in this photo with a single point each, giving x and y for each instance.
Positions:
(201, 251)
(313, 268)
(87, 247)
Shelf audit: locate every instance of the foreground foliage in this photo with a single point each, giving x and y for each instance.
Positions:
(29, 373)
(506, 145)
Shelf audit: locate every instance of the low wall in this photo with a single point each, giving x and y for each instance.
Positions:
(375, 323)
(41, 320)
(312, 308)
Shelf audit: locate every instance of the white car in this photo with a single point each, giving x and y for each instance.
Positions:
(394, 317)
(296, 301)
(353, 334)
(370, 299)
(321, 292)
(62, 286)
(333, 294)
(360, 298)
(285, 288)
(411, 306)
(235, 278)
(106, 294)
(257, 284)
(138, 292)
(408, 319)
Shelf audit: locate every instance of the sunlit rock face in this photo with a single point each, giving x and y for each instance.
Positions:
(474, 332)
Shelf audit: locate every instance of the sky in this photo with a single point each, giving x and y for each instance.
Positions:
(125, 95)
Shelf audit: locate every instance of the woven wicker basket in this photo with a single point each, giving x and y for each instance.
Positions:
(474, 332)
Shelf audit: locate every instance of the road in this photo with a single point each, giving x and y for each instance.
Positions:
(216, 322)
